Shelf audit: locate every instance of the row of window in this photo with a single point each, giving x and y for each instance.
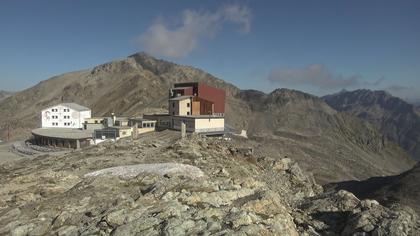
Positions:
(173, 104)
(65, 124)
(148, 125)
(56, 110)
(65, 117)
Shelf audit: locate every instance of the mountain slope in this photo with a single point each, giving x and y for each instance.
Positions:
(161, 184)
(394, 117)
(403, 188)
(5, 94)
(331, 144)
(334, 146)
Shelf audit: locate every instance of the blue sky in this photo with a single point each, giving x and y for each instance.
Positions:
(315, 46)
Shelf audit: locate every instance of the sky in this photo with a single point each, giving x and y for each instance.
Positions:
(319, 47)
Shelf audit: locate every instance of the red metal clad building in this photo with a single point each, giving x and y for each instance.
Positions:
(212, 100)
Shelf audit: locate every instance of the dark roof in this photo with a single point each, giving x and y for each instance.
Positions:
(63, 133)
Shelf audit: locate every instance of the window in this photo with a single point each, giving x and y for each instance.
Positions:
(188, 104)
(173, 104)
(173, 113)
(96, 122)
(188, 113)
(152, 124)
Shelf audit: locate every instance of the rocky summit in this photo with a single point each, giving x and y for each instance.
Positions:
(161, 184)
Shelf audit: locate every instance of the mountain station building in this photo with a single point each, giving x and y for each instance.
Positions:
(200, 107)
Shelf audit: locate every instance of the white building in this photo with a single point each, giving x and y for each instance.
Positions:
(65, 115)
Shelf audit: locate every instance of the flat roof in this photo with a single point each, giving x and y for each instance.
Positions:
(186, 87)
(158, 114)
(97, 117)
(142, 119)
(121, 118)
(120, 127)
(62, 133)
(180, 98)
(201, 116)
(190, 116)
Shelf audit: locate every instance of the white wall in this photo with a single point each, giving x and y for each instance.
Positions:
(180, 107)
(200, 125)
(57, 117)
(209, 125)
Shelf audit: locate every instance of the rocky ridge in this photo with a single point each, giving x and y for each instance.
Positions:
(395, 118)
(403, 188)
(5, 94)
(241, 193)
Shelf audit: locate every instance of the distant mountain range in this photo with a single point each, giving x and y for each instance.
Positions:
(335, 146)
(395, 118)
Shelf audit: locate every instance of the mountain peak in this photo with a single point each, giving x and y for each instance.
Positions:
(142, 55)
(394, 117)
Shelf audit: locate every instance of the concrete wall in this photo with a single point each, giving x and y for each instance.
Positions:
(57, 117)
(209, 125)
(93, 126)
(145, 130)
(61, 143)
(180, 107)
(177, 121)
(125, 132)
(162, 121)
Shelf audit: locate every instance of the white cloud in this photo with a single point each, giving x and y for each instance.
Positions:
(316, 75)
(178, 42)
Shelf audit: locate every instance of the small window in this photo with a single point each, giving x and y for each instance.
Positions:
(188, 113)
(173, 113)
(152, 124)
(96, 122)
(173, 104)
(188, 104)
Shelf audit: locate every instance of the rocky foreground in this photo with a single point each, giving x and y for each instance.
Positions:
(163, 185)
